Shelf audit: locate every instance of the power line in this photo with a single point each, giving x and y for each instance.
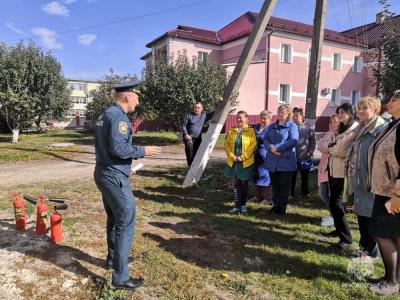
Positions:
(115, 22)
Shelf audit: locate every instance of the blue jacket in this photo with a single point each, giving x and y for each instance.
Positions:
(284, 138)
(113, 141)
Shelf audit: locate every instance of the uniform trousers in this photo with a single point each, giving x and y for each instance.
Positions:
(119, 204)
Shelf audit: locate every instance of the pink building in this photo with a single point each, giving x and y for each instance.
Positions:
(279, 71)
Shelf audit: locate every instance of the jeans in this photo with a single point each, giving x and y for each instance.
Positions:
(323, 191)
(191, 148)
(304, 181)
(119, 204)
(280, 188)
(367, 241)
(336, 186)
(242, 192)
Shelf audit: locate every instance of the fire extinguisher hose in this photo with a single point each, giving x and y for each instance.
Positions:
(30, 199)
(61, 207)
(57, 200)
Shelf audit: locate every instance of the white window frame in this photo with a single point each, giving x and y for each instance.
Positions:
(289, 93)
(290, 54)
(336, 101)
(357, 98)
(202, 57)
(340, 61)
(359, 64)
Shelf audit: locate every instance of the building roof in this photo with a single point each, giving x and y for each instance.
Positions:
(371, 33)
(242, 27)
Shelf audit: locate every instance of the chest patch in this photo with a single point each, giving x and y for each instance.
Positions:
(123, 127)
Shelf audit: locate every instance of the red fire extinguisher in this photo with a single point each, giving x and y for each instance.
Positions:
(55, 223)
(41, 215)
(19, 211)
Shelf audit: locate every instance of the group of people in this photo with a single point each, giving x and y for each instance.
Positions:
(360, 161)
(359, 170)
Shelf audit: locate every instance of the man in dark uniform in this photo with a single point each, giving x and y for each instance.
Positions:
(192, 128)
(114, 154)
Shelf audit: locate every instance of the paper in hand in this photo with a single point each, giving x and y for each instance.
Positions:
(137, 167)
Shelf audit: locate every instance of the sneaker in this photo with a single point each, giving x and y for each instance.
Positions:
(233, 210)
(325, 218)
(327, 222)
(243, 209)
(254, 199)
(384, 288)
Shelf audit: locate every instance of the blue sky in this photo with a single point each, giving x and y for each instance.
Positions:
(89, 53)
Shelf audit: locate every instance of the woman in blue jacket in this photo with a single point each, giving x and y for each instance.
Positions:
(280, 141)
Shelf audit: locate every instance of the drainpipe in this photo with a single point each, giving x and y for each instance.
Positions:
(268, 68)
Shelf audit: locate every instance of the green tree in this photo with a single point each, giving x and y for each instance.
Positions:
(103, 97)
(170, 88)
(32, 87)
(387, 70)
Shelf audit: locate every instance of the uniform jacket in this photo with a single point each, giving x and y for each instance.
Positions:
(249, 143)
(357, 170)
(383, 167)
(284, 138)
(113, 141)
(339, 150)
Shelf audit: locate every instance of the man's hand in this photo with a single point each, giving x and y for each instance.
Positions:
(151, 150)
(220, 99)
(188, 138)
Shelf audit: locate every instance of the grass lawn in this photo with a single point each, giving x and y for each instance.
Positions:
(188, 247)
(37, 146)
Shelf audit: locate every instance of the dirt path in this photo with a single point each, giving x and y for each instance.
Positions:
(83, 166)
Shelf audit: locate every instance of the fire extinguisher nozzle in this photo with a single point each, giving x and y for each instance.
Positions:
(61, 207)
(57, 200)
(30, 199)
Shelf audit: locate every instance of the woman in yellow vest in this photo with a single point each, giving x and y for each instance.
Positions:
(240, 144)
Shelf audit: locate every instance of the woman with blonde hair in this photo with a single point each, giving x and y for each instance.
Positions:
(356, 167)
(280, 141)
(240, 144)
(261, 176)
(384, 182)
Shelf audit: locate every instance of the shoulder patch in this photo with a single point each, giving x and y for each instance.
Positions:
(123, 127)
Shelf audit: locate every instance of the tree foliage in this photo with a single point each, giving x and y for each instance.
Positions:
(103, 96)
(170, 88)
(32, 86)
(387, 71)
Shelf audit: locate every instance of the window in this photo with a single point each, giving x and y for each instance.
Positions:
(78, 100)
(286, 54)
(358, 64)
(77, 86)
(355, 97)
(335, 97)
(337, 61)
(202, 57)
(284, 93)
(72, 113)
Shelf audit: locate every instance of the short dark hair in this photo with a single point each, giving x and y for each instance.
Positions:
(298, 110)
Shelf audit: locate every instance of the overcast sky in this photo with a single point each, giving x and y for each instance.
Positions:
(69, 27)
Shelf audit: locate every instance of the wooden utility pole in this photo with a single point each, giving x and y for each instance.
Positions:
(222, 111)
(315, 61)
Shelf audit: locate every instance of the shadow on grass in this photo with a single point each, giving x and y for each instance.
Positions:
(255, 242)
(65, 257)
(49, 153)
(154, 140)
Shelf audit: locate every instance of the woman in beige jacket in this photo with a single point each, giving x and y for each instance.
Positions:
(338, 150)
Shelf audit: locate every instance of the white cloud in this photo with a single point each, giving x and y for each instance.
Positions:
(55, 8)
(86, 39)
(69, 1)
(11, 26)
(48, 37)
